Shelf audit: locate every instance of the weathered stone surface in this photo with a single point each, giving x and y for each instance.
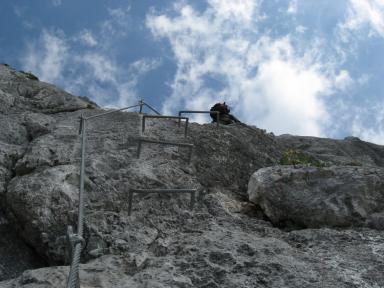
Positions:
(36, 96)
(222, 242)
(37, 124)
(336, 196)
(348, 152)
(12, 131)
(16, 257)
(6, 101)
(23, 107)
(233, 254)
(9, 154)
(44, 203)
(49, 151)
(5, 176)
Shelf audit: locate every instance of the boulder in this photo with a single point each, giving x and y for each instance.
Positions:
(6, 101)
(350, 151)
(16, 256)
(12, 131)
(336, 196)
(37, 124)
(44, 202)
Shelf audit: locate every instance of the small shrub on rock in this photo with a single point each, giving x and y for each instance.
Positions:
(295, 157)
(29, 75)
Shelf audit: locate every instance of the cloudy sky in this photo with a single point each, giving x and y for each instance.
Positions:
(303, 67)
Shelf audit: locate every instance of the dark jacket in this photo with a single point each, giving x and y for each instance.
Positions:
(224, 116)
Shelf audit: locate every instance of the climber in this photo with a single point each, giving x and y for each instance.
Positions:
(224, 116)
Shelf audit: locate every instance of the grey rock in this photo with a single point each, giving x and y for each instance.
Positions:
(13, 132)
(9, 154)
(336, 196)
(37, 124)
(245, 258)
(23, 120)
(5, 176)
(44, 202)
(37, 96)
(349, 152)
(16, 256)
(7, 101)
(224, 241)
(48, 151)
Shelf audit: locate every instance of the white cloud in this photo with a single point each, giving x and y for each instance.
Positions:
(292, 7)
(342, 80)
(267, 81)
(21, 12)
(238, 10)
(371, 130)
(108, 83)
(47, 56)
(374, 135)
(55, 57)
(117, 25)
(136, 70)
(290, 94)
(102, 68)
(87, 38)
(56, 2)
(362, 13)
(301, 29)
(364, 79)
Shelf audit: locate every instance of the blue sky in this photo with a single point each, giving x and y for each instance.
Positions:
(304, 67)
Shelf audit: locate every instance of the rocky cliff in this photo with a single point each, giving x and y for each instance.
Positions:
(256, 223)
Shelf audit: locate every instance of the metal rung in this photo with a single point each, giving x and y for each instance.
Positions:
(141, 140)
(165, 117)
(202, 112)
(110, 112)
(146, 191)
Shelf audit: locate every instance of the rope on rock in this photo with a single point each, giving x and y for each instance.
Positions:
(76, 240)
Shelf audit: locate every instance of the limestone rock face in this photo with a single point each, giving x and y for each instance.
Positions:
(16, 256)
(223, 241)
(43, 203)
(232, 254)
(18, 91)
(350, 151)
(336, 196)
(28, 112)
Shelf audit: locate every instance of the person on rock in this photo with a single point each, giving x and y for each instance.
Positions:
(224, 116)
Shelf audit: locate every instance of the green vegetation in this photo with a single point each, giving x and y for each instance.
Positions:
(91, 104)
(294, 157)
(29, 75)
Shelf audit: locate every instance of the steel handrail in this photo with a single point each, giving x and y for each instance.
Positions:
(141, 103)
(202, 112)
(73, 277)
(110, 112)
(166, 117)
